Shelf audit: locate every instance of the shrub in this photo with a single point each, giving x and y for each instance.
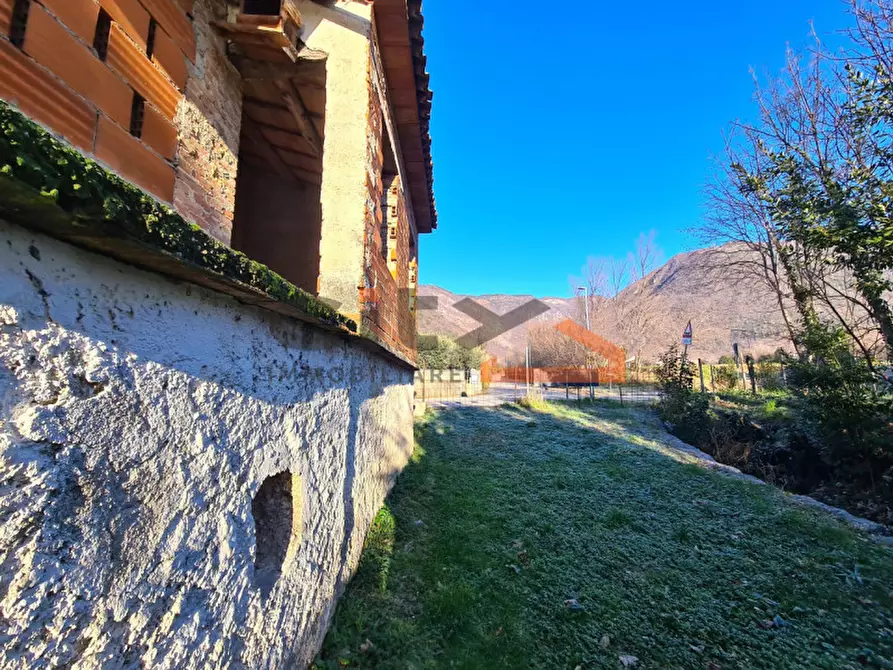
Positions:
(437, 352)
(725, 377)
(769, 375)
(842, 406)
(680, 405)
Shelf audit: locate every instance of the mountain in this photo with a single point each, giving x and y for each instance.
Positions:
(645, 318)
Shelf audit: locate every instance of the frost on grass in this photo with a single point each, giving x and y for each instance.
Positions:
(572, 537)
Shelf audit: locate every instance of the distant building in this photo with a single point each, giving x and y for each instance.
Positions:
(193, 440)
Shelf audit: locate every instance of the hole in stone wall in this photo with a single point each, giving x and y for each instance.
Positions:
(277, 527)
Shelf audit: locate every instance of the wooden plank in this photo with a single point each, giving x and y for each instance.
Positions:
(310, 66)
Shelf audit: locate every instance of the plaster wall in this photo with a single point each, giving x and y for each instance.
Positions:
(344, 32)
(139, 419)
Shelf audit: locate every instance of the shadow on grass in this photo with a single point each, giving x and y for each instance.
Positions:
(564, 536)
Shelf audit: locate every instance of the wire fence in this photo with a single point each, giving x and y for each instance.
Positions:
(635, 393)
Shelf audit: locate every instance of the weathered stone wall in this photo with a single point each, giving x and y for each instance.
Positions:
(140, 419)
(208, 121)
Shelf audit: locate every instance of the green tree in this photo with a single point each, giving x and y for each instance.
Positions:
(822, 166)
(680, 405)
(437, 352)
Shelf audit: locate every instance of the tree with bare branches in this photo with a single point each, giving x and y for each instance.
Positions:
(806, 193)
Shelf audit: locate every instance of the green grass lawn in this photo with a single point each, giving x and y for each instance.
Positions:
(574, 538)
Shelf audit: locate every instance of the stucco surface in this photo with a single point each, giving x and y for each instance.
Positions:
(343, 32)
(138, 419)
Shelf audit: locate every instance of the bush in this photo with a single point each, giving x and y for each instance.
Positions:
(843, 407)
(725, 377)
(769, 375)
(437, 352)
(680, 405)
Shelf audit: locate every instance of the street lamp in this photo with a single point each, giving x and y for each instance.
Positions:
(589, 328)
(586, 303)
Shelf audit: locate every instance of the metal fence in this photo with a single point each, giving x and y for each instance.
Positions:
(623, 394)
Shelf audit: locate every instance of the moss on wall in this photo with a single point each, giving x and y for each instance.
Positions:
(53, 173)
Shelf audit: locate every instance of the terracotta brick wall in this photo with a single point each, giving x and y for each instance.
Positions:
(385, 292)
(58, 78)
(187, 152)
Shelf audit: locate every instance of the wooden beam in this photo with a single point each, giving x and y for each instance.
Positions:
(310, 64)
(292, 100)
(265, 149)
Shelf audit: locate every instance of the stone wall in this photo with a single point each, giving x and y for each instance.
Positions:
(151, 435)
(208, 121)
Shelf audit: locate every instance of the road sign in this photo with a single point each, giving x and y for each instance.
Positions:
(687, 335)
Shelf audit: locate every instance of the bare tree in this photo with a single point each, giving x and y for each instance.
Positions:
(817, 162)
(646, 257)
(551, 348)
(629, 320)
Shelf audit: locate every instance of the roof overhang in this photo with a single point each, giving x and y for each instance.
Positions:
(399, 25)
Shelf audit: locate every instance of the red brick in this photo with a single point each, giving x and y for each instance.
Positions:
(44, 98)
(141, 73)
(171, 17)
(159, 133)
(53, 46)
(5, 15)
(169, 58)
(131, 16)
(79, 16)
(130, 158)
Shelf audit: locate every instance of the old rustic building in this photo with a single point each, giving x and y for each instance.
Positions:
(209, 221)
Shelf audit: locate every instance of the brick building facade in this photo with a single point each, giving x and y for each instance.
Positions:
(298, 136)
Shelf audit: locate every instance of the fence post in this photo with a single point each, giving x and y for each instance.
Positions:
(701, 373)
(620, 386)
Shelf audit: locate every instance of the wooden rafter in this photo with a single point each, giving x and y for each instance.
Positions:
(292, 100)
(265, 149)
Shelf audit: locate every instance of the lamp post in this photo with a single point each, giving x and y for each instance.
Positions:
(586, 304)
(589, 328)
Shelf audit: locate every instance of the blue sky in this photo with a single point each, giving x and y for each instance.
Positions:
(564, 134)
